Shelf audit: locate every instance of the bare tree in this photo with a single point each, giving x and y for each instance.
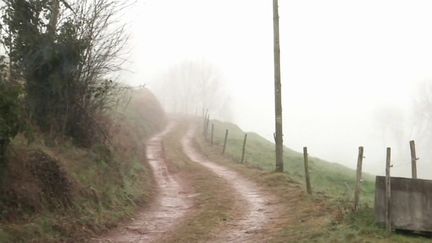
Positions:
(192, 86)
(394, 128)
(67, 53)
(422, 123)
(105, 39)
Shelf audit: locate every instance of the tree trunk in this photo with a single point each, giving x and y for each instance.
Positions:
(55, 11)
(278, 95)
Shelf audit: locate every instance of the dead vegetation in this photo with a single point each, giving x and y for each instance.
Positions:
(37, 182)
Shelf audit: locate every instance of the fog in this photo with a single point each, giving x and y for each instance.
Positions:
(352, 71)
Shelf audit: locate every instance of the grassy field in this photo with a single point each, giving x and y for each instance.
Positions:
(332, 184)
(331, 178)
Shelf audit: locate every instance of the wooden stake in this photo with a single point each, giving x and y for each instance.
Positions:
(204, 122)
(306, 166)
(225, 141)
(358, 179)
(413, 160)
(244, 148)
(212, 132)
(388, 191)
(207, 126)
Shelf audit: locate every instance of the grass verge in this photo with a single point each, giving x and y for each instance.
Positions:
(57, 192)
(325, 216)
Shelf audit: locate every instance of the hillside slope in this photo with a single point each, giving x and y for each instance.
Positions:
(54, 191)
(327, 215)
(331, 178)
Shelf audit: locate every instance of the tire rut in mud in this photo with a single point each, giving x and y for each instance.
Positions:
(172, 203)
(258, 212)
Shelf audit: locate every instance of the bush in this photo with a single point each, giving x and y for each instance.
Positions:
(65, 55)
(10, 111)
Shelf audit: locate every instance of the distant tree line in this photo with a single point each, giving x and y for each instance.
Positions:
(55, 66)
(193, 86)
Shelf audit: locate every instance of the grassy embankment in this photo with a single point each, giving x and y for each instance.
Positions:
(54, 191)
(324, 217)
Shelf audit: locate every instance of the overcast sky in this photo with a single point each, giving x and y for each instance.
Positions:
(342, 62)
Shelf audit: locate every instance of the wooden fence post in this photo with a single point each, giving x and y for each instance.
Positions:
(208, 121)
(225, 141)
(244, 148)
(413, 160)
(204, 122)
(306, 166)
(207, 126)
(358, 179)
(212, 132)
(388, 191)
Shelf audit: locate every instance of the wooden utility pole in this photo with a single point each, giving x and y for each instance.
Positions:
(388, 192)
(358, 179)
(413, 160)
(278, 92)
(244, 148)
(306, 166)
(225, 141)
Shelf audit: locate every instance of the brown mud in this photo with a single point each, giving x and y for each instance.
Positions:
(171, 204)
(257, 209)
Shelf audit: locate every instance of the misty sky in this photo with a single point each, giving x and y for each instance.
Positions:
(342, 63)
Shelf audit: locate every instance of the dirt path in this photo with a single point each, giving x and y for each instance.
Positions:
(257, 211)
(166, 212)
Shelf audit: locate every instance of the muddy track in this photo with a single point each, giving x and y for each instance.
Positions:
(257, 213)
(167, 210)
